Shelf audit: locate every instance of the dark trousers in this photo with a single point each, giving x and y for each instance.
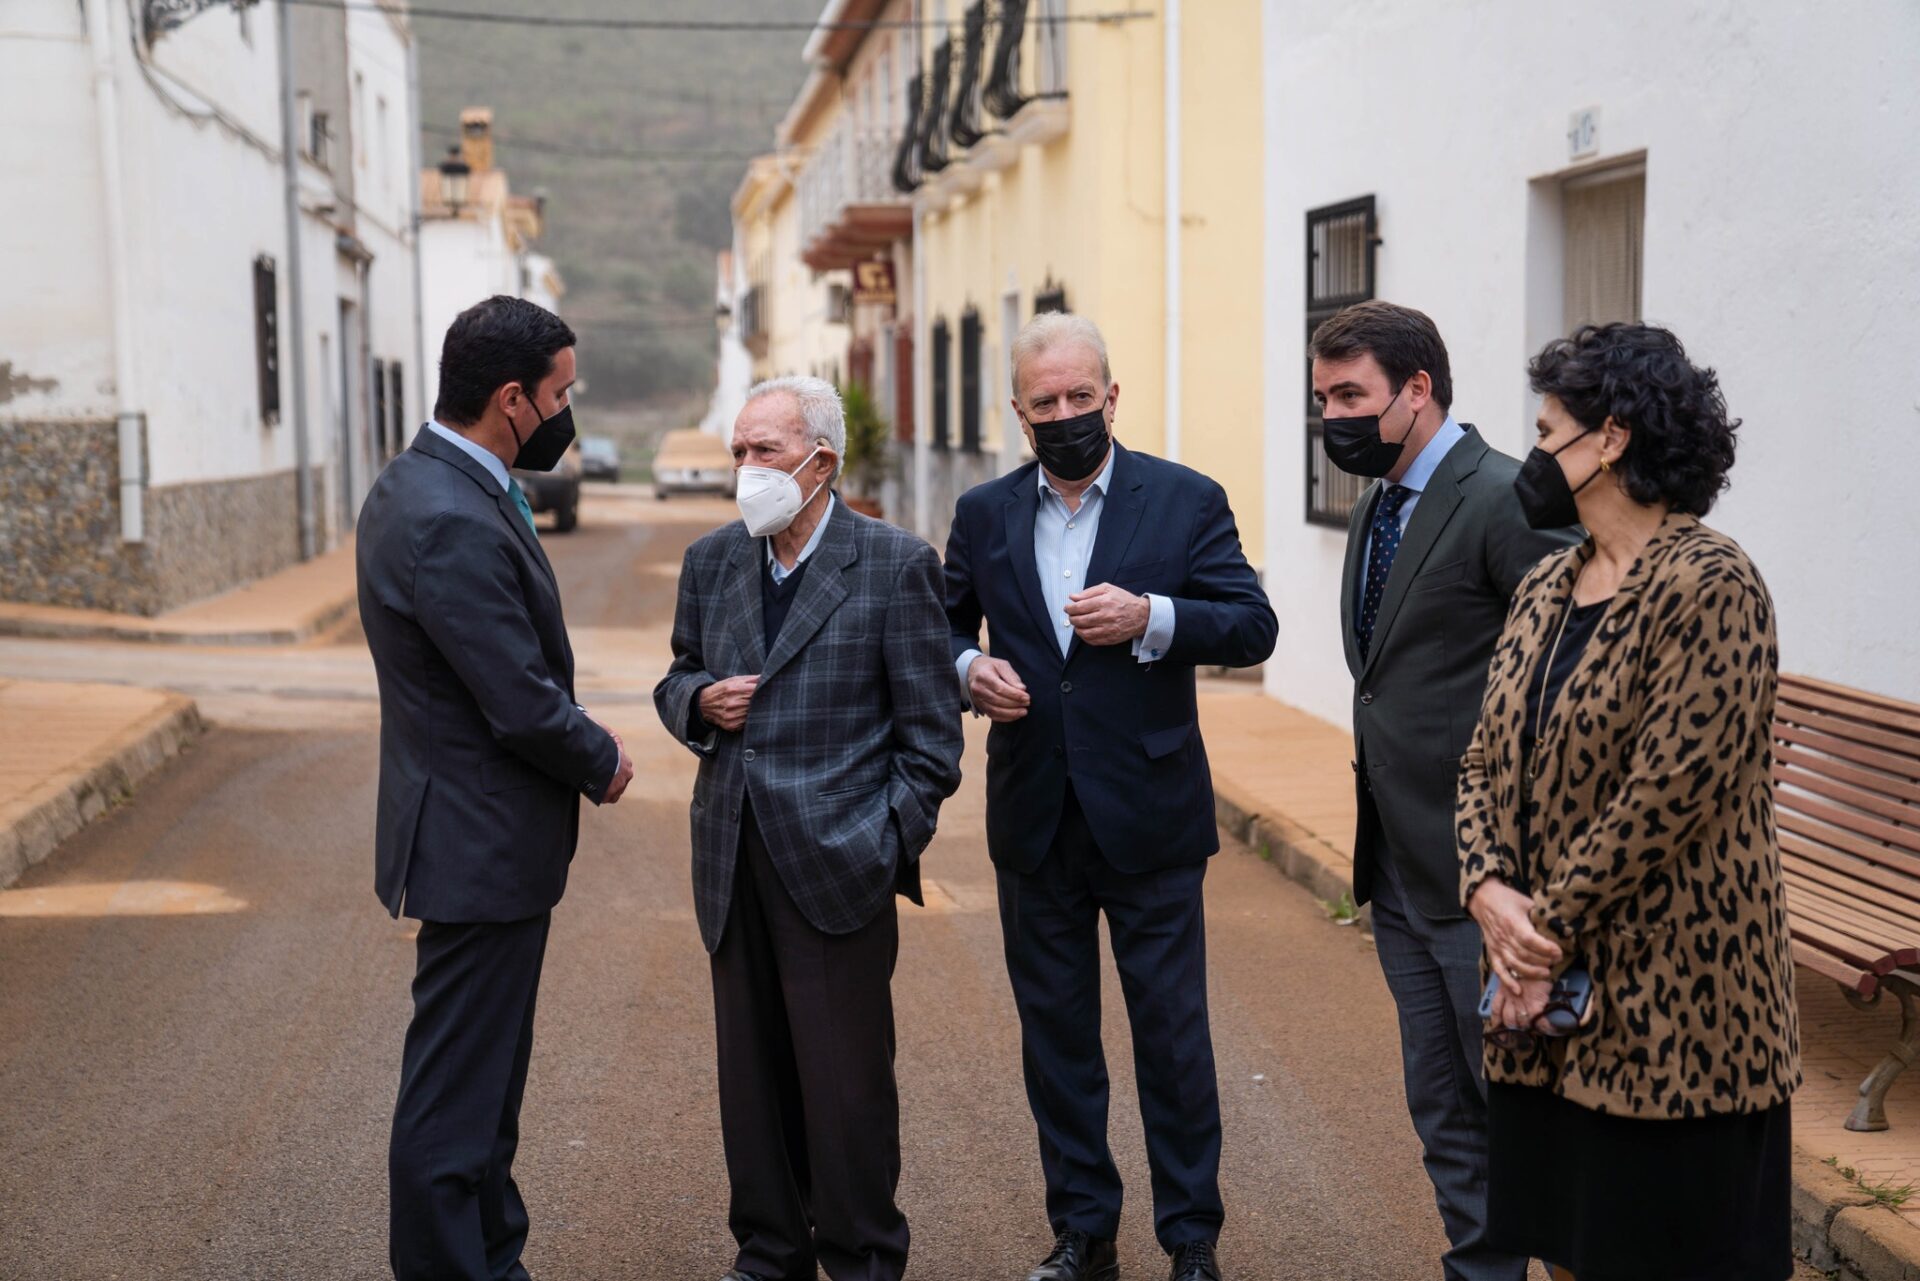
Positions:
(1433, 970)
(456, 1214)
(809, 1111)
(1050, 921)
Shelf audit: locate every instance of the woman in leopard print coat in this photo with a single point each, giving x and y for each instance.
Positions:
(1615, 815)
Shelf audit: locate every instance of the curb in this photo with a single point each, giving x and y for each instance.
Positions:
(1298, 853)
(1837, 1228)
(312, 624)
(109, 779)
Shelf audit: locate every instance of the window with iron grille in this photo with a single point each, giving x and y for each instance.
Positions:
(1050, 297)
(906, 161)
(941, 349)
(266, 337)
(377, 384)
(1341, 240)
(1002, 93)
(397, 404)
(934, 147)
(970, 381)
(964, 126)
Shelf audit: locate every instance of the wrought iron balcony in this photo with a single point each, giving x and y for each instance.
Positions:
(1003, 86)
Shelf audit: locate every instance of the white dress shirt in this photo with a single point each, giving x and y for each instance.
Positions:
(485, 457)
(1062, 547)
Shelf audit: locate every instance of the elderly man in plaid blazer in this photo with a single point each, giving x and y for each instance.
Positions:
(811, 676)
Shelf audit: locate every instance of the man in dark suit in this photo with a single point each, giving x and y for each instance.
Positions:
(811, 677)
(1105, 577)
(1435, 550)
(483, 758)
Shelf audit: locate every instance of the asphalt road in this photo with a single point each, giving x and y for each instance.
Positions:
(201, 1010)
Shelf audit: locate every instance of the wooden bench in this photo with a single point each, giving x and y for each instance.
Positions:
(1847, 774)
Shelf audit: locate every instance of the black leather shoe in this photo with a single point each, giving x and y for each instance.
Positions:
(1194, 1261)
(1078, 1257)
(737, 1275)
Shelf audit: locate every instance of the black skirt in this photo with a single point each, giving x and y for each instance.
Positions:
(1615, 1198)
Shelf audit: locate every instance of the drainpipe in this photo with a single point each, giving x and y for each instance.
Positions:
(923, 333)
(129, 421)
(1172, 79)
(296, 329)
(417, 385)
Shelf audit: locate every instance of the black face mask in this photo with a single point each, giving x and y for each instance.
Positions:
(1354, 445)
(1072, 448)
(1545, 497)
(545, 444)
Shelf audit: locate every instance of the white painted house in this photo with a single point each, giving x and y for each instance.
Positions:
(477, 238)
(152, 421)
(1741, 171)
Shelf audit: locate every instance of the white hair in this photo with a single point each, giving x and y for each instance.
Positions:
(820, 409)
(1050, 329)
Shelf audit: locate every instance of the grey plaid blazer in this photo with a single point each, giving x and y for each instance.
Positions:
(853, 738)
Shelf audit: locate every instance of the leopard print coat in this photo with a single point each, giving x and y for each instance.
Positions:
(1655, 862)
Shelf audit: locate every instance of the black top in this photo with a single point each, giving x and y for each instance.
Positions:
(777, 598)
(1582, 622)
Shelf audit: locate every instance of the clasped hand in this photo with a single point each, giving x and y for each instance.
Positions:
(724, 703)
(1108, 615)
(1520, 955)
(623, 773)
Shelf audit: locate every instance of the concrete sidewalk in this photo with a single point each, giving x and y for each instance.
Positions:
(293, 605)
(69, 752)
(1283, 783)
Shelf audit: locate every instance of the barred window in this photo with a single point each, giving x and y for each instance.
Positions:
(942, 425)
(970, 381)
(1341, 240)
(266, 337)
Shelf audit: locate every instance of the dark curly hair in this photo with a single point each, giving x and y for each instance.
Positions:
(1639, 375)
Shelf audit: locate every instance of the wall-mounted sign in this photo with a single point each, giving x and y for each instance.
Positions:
(1583, 133)
(873, 282)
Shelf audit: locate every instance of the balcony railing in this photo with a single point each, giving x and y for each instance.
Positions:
(849, 206)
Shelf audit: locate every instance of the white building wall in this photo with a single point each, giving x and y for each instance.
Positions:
(385, 189)
(203, 200)
(734, 367)
(1782, 243)
(461, 262)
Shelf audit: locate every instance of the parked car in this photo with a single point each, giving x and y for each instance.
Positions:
(689, 461)
(556, 491)
(600, 458)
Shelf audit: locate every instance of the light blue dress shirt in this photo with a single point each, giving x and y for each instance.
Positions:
(1428, 462)
(1062, 546)
(779, 571)
(485, 457)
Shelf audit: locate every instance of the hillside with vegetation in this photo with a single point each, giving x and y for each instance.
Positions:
(639, 139)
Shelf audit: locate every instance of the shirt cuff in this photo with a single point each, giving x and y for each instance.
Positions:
(960, 665)
(1153, 645)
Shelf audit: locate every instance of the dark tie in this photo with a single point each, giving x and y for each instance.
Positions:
(1386, 541)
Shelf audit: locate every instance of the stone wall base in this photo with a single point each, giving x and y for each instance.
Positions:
(60, 525)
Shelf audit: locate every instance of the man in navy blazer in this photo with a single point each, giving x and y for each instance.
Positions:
(1105, 577)
(484, 756)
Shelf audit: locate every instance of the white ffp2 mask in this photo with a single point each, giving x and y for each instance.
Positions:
(769, 499)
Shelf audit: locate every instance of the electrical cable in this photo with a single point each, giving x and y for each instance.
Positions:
(722, 25)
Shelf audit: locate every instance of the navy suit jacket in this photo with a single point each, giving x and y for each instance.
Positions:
(483, 754)
(1126, 734)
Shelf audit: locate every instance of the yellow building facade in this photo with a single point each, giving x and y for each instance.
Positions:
(1065, 203)
(1003, 159)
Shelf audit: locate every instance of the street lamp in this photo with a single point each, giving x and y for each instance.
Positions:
(454, 172)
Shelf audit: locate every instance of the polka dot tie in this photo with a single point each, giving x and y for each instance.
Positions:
(1386, 541)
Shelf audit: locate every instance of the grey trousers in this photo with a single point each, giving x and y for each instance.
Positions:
(1433, 970)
